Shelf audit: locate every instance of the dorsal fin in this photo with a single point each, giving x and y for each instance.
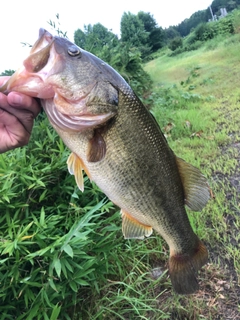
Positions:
(195, 185)
(132, 228)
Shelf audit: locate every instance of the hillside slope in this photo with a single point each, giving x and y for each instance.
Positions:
(204, 129)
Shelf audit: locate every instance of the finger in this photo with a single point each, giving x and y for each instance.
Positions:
(23, 108)
(22, 101)
(13, 134)
(3, 101)
(17, 101)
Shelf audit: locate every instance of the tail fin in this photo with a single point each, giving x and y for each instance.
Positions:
(183, 269)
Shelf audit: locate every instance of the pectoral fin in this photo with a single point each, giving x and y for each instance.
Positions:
(133, 229)
(96, 148)
(75, 167)
(196, 187)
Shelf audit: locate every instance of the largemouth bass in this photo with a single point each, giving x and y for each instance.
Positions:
(120, 146)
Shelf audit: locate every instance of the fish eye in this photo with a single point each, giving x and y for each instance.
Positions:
(74, 51)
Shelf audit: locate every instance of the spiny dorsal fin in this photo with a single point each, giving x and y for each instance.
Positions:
(133, 229)
(74, 164)
(195, 185)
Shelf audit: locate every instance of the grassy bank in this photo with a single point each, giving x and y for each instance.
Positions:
(201, 117)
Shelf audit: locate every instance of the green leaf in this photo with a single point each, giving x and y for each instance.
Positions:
(42, 197)
(73, 286)
(5, 197)
(2, 261)
(45, 316)
(83, 222)
(58, 267)
(68, 249)
(55, 312)
(33, 312)
(9, 249)
(41, 183)
(42, 217)
(67, 264)
(52, 285)
(82, 282)
(24, 231)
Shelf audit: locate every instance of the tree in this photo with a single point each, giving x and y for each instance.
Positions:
(156, 35)
(186, 26)
(122, 56)
(134, 33)
(127, 60)
(202, 16)
(94, 38)
(171, 33)
(157, 38)
(232, 4)
(228, 4)
(80, 38)
(8, 72)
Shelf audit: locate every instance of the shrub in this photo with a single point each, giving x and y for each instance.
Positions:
(175, 43)
(205, 31)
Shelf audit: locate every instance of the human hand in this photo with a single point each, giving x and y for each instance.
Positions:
(17, 114)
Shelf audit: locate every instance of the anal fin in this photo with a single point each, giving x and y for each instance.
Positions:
(132, 228)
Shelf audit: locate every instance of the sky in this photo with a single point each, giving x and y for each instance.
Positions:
(20, 20)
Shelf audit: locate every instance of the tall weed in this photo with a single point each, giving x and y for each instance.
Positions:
(54, 240)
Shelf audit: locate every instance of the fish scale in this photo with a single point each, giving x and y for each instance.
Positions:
(136, 183)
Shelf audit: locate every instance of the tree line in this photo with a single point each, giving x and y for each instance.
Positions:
(201, 16)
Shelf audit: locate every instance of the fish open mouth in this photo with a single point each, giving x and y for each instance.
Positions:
(40, 53)
(31, 78)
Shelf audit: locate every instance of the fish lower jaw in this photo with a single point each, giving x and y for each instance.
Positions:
(71, 122)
